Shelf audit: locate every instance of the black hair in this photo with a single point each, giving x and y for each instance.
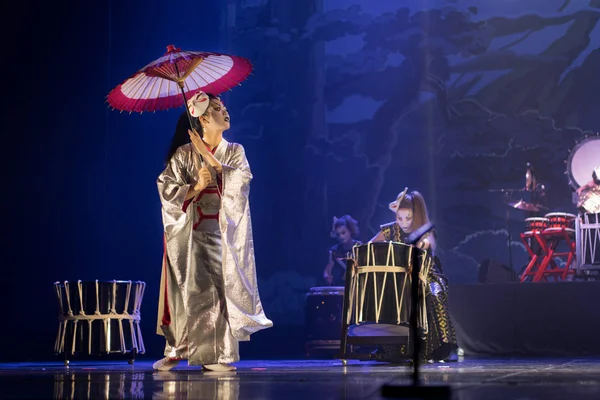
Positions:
(350, 223)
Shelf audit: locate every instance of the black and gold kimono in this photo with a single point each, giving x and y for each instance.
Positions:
(440, 341)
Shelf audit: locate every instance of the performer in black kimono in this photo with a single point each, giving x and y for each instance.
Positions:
(411, 213)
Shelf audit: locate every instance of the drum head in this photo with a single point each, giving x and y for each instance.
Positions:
(582, 160)
(560, 214)
(326, 290)
(384, 253)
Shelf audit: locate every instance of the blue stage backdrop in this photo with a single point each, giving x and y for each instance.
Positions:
(350, 101)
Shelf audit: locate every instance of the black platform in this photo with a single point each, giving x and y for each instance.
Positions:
(527, 319)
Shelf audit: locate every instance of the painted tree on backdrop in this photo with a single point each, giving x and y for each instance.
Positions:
(470, 110)
(452, 102)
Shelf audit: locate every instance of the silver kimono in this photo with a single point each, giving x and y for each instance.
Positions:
(208, 293)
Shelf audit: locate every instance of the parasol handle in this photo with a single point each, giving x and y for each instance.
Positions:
(187, 110)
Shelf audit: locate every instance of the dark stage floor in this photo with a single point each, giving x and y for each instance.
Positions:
(491, 379)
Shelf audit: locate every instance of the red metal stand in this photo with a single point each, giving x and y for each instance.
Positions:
(544, 265)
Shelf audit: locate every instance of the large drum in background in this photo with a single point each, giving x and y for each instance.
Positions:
(380, 292)
(324, 312)
(582, 160)
(323, 317)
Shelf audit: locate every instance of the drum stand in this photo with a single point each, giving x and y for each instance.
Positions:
(99, 319)
(549, 241)
(346, 340)
(416, 391)
(587, 239)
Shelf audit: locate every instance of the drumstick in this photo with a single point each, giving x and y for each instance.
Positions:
(416, 236)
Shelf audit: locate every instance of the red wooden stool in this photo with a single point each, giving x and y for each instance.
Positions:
(534, 226)
(552, 241)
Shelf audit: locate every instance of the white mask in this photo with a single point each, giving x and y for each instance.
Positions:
(198, 104)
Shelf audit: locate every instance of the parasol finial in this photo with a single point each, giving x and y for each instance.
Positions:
(171, 48)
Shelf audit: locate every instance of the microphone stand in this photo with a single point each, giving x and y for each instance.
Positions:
(530, 186)
(416, 391)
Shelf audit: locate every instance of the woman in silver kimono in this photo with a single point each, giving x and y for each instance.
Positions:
(209, 297)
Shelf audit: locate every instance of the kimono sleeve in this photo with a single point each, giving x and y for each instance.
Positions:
(173, 186)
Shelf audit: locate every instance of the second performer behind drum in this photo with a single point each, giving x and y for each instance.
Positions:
(345, 230)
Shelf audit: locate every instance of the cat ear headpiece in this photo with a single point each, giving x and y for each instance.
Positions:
(396, 203)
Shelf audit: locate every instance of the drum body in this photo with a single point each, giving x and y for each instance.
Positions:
(535, 224)
(559, 220)
(380, 292)
(99, 318)
(323, 313)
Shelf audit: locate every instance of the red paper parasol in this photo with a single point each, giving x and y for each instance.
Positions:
(164, 83)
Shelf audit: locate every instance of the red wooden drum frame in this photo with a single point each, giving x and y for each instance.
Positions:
(554, 242)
